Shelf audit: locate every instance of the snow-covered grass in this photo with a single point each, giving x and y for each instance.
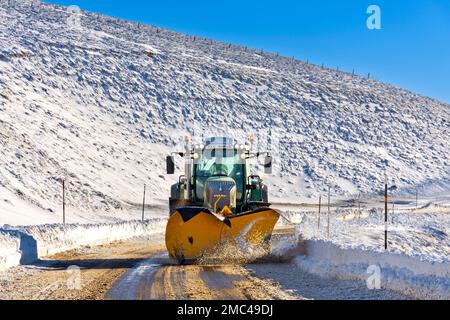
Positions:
(421, 235)
(26, 244)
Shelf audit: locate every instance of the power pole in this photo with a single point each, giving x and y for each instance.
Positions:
(143, 205)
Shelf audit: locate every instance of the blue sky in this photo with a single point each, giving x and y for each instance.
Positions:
(412, 50)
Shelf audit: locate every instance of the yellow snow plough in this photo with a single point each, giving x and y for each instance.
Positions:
(217, 200)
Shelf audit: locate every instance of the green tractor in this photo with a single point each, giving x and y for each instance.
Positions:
(217, 199)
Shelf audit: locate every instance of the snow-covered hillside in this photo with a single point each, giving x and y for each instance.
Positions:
(101, 102)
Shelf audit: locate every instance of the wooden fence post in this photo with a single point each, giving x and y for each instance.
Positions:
(328, 215)
(64, 201)
(318, 217)
(143, 205)
(385, 214)
(417, 198)
(359, 206)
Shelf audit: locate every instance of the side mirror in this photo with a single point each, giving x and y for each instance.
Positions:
(170, 165)
(268, 165)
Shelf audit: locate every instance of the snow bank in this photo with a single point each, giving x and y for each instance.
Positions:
(26, 244)
(408, 275)
(417, 260)
(423, 236)
(52, 239)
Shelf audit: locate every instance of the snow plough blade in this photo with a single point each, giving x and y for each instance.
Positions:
(192, 232)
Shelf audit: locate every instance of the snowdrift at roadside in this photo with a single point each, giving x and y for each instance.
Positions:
(421, 235)
(416, 262)
(26, 244)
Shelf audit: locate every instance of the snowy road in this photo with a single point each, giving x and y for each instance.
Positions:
(161, 278)
(84, 273)
(158, 278)
(141, 269)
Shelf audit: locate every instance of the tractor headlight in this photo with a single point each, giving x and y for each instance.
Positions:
(199, 147)
(236, 146)
(195, 155)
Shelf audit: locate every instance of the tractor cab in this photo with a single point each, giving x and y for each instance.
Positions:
(217, 177)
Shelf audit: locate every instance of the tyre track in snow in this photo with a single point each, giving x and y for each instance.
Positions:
(160, 278)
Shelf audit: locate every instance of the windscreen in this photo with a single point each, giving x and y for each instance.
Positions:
(219, 162)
